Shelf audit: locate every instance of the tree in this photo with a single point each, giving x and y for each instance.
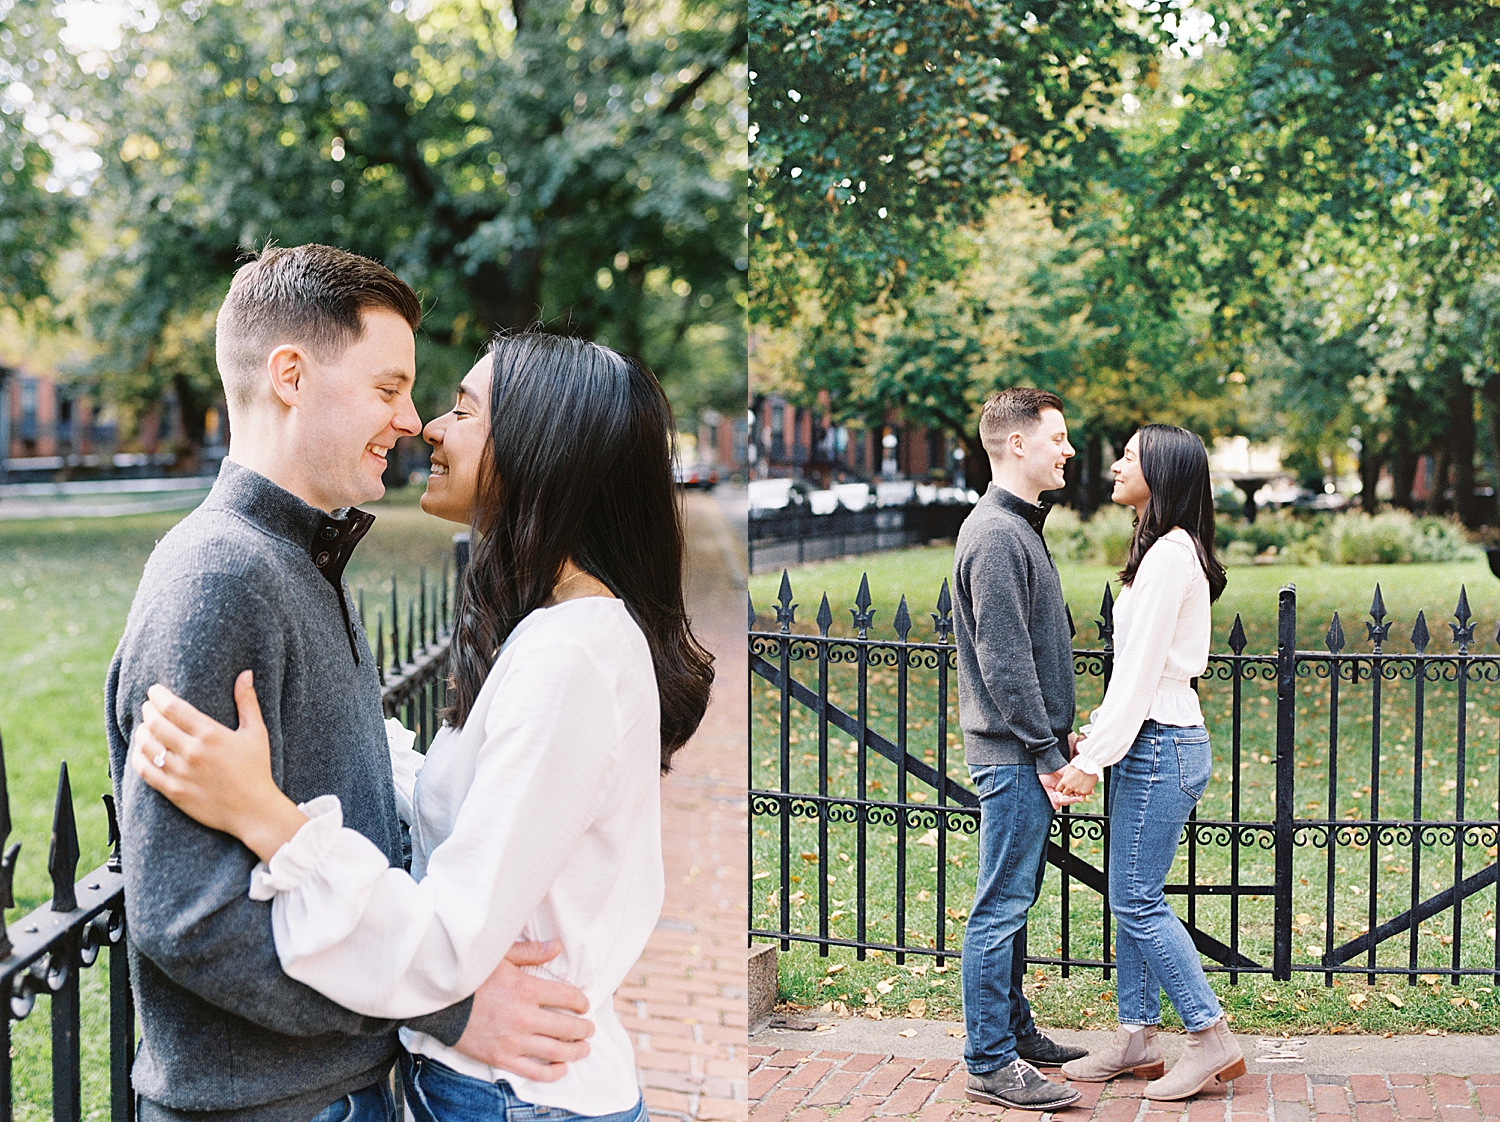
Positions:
(1356, 135)
(36, 206)
(879, 123)
(566, 161)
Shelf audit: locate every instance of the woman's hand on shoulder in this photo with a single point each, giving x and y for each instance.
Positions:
(218, 776)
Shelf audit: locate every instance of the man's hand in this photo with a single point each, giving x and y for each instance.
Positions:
(1074, 784)
(518, 1024)
(1054, 796)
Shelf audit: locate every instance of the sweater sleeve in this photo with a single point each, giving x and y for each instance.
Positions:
(184, 883)
(1001, 600)
(371, 937)
(1156, 597)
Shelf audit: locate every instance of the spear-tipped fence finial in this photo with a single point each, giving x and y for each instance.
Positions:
(825, 617)
(114, 833)
(1463, 630)
(750, 605)
(786, 611)
(1334, 640)
(380, 646)
(1419, 634)
(1072, 627)
(1106, 621)
(863, 614)
(8, 863)
(62, 857)
(1237, 636)
(942, 619)
(902, 620)
(1381, 628)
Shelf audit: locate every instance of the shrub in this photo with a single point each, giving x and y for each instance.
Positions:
(1396, 536)
(1103, 540)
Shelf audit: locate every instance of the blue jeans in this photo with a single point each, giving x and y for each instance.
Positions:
(1014, 816)
(437, 1093)
(1152, 792)
(374, 1104)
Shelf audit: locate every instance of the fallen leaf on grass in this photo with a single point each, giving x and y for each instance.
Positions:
(1356, 1000)
(917, 1008)
(835, 968)
(1394, 1000)
(886, 985)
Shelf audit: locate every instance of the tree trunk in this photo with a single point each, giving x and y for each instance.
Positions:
(1434, 504)
(1093, 465)
(1369, 475)
(1462, 436)
(192, 408)
(1403, 477)
(976, 463)
(508, 297)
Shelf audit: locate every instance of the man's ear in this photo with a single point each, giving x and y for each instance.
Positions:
(1016, 443)
(285, 367)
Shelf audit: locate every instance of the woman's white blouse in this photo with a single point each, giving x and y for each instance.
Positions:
(539, 819)
(1162, 624)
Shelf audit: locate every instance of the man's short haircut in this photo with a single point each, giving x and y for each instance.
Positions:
(311, 295)
(1017, 409)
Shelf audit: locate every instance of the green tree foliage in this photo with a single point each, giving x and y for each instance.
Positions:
(877, 123)
(570, 161)
(35, 205)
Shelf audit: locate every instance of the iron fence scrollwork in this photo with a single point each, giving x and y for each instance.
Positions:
(890, 791)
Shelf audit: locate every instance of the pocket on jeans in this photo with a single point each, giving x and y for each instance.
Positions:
(1195, 761)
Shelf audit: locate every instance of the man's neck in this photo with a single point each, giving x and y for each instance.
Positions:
(1015, 483)
(278, 471)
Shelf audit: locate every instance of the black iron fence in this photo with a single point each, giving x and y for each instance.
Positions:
(42, 954)
(1350, 828)
(795, 535)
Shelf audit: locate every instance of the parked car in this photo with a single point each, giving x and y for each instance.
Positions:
(692, 476)
(777, 494)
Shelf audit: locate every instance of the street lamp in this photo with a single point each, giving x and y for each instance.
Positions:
(888, 464)
(958, 470)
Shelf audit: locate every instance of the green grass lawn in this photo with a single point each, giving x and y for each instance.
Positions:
(829, 867)
(65, 589)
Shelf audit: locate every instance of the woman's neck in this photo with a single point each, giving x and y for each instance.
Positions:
(574, 583)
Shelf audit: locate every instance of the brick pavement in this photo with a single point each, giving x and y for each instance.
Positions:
(684, 1001)
(789, 1085)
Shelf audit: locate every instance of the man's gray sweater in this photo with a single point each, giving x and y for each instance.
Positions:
(1015, 649)
(237, 586)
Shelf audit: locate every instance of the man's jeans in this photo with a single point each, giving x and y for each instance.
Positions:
(1014, 816)
(1152, 792)
(437, 1093)
(374, 1104)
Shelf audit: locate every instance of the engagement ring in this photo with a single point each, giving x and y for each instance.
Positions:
(161, 758)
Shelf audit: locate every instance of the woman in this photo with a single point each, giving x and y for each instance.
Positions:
(1150, 727)
(535, 814)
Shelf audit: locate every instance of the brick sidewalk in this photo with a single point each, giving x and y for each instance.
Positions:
(813, 1086)
(684, 1001)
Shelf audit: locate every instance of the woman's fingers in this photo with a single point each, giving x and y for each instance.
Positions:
(528, 1068)
(247, 703)
(163, 731)
(185, 716)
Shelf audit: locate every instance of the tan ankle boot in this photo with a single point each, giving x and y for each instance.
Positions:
(1209, 1056)
(1135, 1052)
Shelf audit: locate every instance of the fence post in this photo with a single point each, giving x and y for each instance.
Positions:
(1286, 730)
(460, 556)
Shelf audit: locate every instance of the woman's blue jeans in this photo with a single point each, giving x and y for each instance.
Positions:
(1152, 792)
(437, 1093)
(1014, 816)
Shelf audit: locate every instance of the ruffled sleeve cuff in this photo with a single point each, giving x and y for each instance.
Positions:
(295, 861)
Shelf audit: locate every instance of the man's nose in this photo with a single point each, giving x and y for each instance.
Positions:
(407, 421)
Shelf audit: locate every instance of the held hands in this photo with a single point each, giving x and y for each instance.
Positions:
(526, 1025)
(1074, 784)
(218, 776)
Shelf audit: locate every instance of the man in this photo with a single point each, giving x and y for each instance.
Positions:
(316, 350)
(1015, 703)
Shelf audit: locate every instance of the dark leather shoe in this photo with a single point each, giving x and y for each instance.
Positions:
(1021, 1086)
(1043, 1051)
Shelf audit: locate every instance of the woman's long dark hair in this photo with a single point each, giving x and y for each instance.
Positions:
(1175, 465)
(578, 465)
